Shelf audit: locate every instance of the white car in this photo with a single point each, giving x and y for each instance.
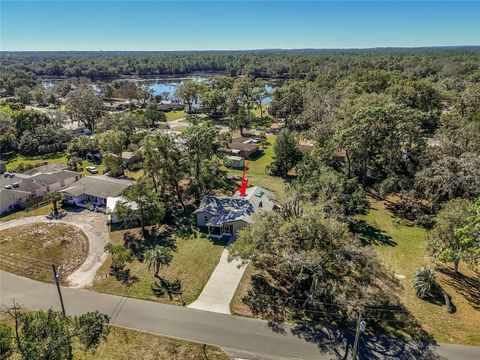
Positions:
(92, 169)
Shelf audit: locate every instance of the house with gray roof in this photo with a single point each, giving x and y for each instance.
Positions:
(226, 216)
(93, 191)
(17, 190)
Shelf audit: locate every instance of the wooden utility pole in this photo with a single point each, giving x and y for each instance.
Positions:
(357, 335)
(57, 281)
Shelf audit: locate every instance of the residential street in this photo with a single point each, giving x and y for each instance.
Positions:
(242, 337)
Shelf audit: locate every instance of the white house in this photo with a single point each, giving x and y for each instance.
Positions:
(93, 192)
(226, 216)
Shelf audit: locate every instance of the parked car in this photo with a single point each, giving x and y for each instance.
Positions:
(92, 169)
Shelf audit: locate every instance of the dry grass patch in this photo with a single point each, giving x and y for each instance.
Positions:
(29, 250)
(194, 259)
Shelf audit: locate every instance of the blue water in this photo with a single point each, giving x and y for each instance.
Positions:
(159, 87)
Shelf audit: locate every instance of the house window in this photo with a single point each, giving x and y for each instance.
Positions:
(226, 229)
(206, 219)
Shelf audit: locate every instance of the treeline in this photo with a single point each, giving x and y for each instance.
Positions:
(272, 64)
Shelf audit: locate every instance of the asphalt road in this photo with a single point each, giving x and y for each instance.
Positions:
(242, 337)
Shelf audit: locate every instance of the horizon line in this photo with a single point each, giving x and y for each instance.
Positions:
(259, 49)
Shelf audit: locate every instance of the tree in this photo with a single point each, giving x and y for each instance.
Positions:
(242, 120)
(113, 142)
(6, 341)
(188, 92)
(213, 100)
(54, 197)
(120, 256)
(154, 115)
(165, 164)
(85, 106)
(424, 282)
(382, 142)
(445, 242)
(306, 259)
(157, 257)
(45, 335)
(24, 93)
(288, 102)
(286, 153)
(39, 95)
(8, 133)
(142, 204)
(201, 142)
(469, 236)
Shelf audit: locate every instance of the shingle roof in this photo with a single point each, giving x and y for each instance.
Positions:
(7, 195)
(225, 209)
(100, 186)
(236, 208)
(243, 146)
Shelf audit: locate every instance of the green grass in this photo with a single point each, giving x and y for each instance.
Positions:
(401, 247)
(42, 210)
(175, 115)
(14, 162)
(29, 250)
(193, 262)
(256, 111)
(257, 172)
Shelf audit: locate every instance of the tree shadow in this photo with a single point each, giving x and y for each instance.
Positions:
(370, 235)
(124, 276)
(468, 287)
(171, 288)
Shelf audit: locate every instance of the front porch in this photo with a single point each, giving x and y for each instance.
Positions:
(222, 231)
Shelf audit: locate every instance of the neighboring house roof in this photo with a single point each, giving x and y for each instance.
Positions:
(236, 208)
(100, 186)
(48, 168)
(243, 146)
(305, 148)
(13, 194)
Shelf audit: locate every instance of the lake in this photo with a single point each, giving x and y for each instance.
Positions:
(167, 86)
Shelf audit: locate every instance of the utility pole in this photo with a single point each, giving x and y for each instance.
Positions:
(57, 281)
(361, 325)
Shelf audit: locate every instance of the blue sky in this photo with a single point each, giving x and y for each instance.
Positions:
(201, 25)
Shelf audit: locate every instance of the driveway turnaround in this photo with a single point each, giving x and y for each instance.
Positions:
(220, 288)
(241, 337)
(94, 225)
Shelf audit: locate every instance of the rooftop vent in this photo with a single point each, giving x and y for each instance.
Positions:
(8, 186)
(259, 193)
(12, 175)
(16, 184)
(6, 175)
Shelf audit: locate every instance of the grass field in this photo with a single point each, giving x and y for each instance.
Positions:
(193, 261)
(29, 250)
(126, 344)
(402, 250)
(175, 115)
(257, 172)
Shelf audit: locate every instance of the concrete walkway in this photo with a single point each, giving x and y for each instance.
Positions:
(94, 225)
(220, 288)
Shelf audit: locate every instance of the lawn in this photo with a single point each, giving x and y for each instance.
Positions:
(42, 210)
(175, 115)
(257, 171)
(14, 162)
(29, 250)
(402, 249)
(193, 261)
(126, 344)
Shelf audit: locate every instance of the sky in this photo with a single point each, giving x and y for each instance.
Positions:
(235, 25)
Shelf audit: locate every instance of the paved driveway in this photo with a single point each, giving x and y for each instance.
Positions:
(94, 225)
(220, 288)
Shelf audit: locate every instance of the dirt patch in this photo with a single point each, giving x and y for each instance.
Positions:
(29, 250)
